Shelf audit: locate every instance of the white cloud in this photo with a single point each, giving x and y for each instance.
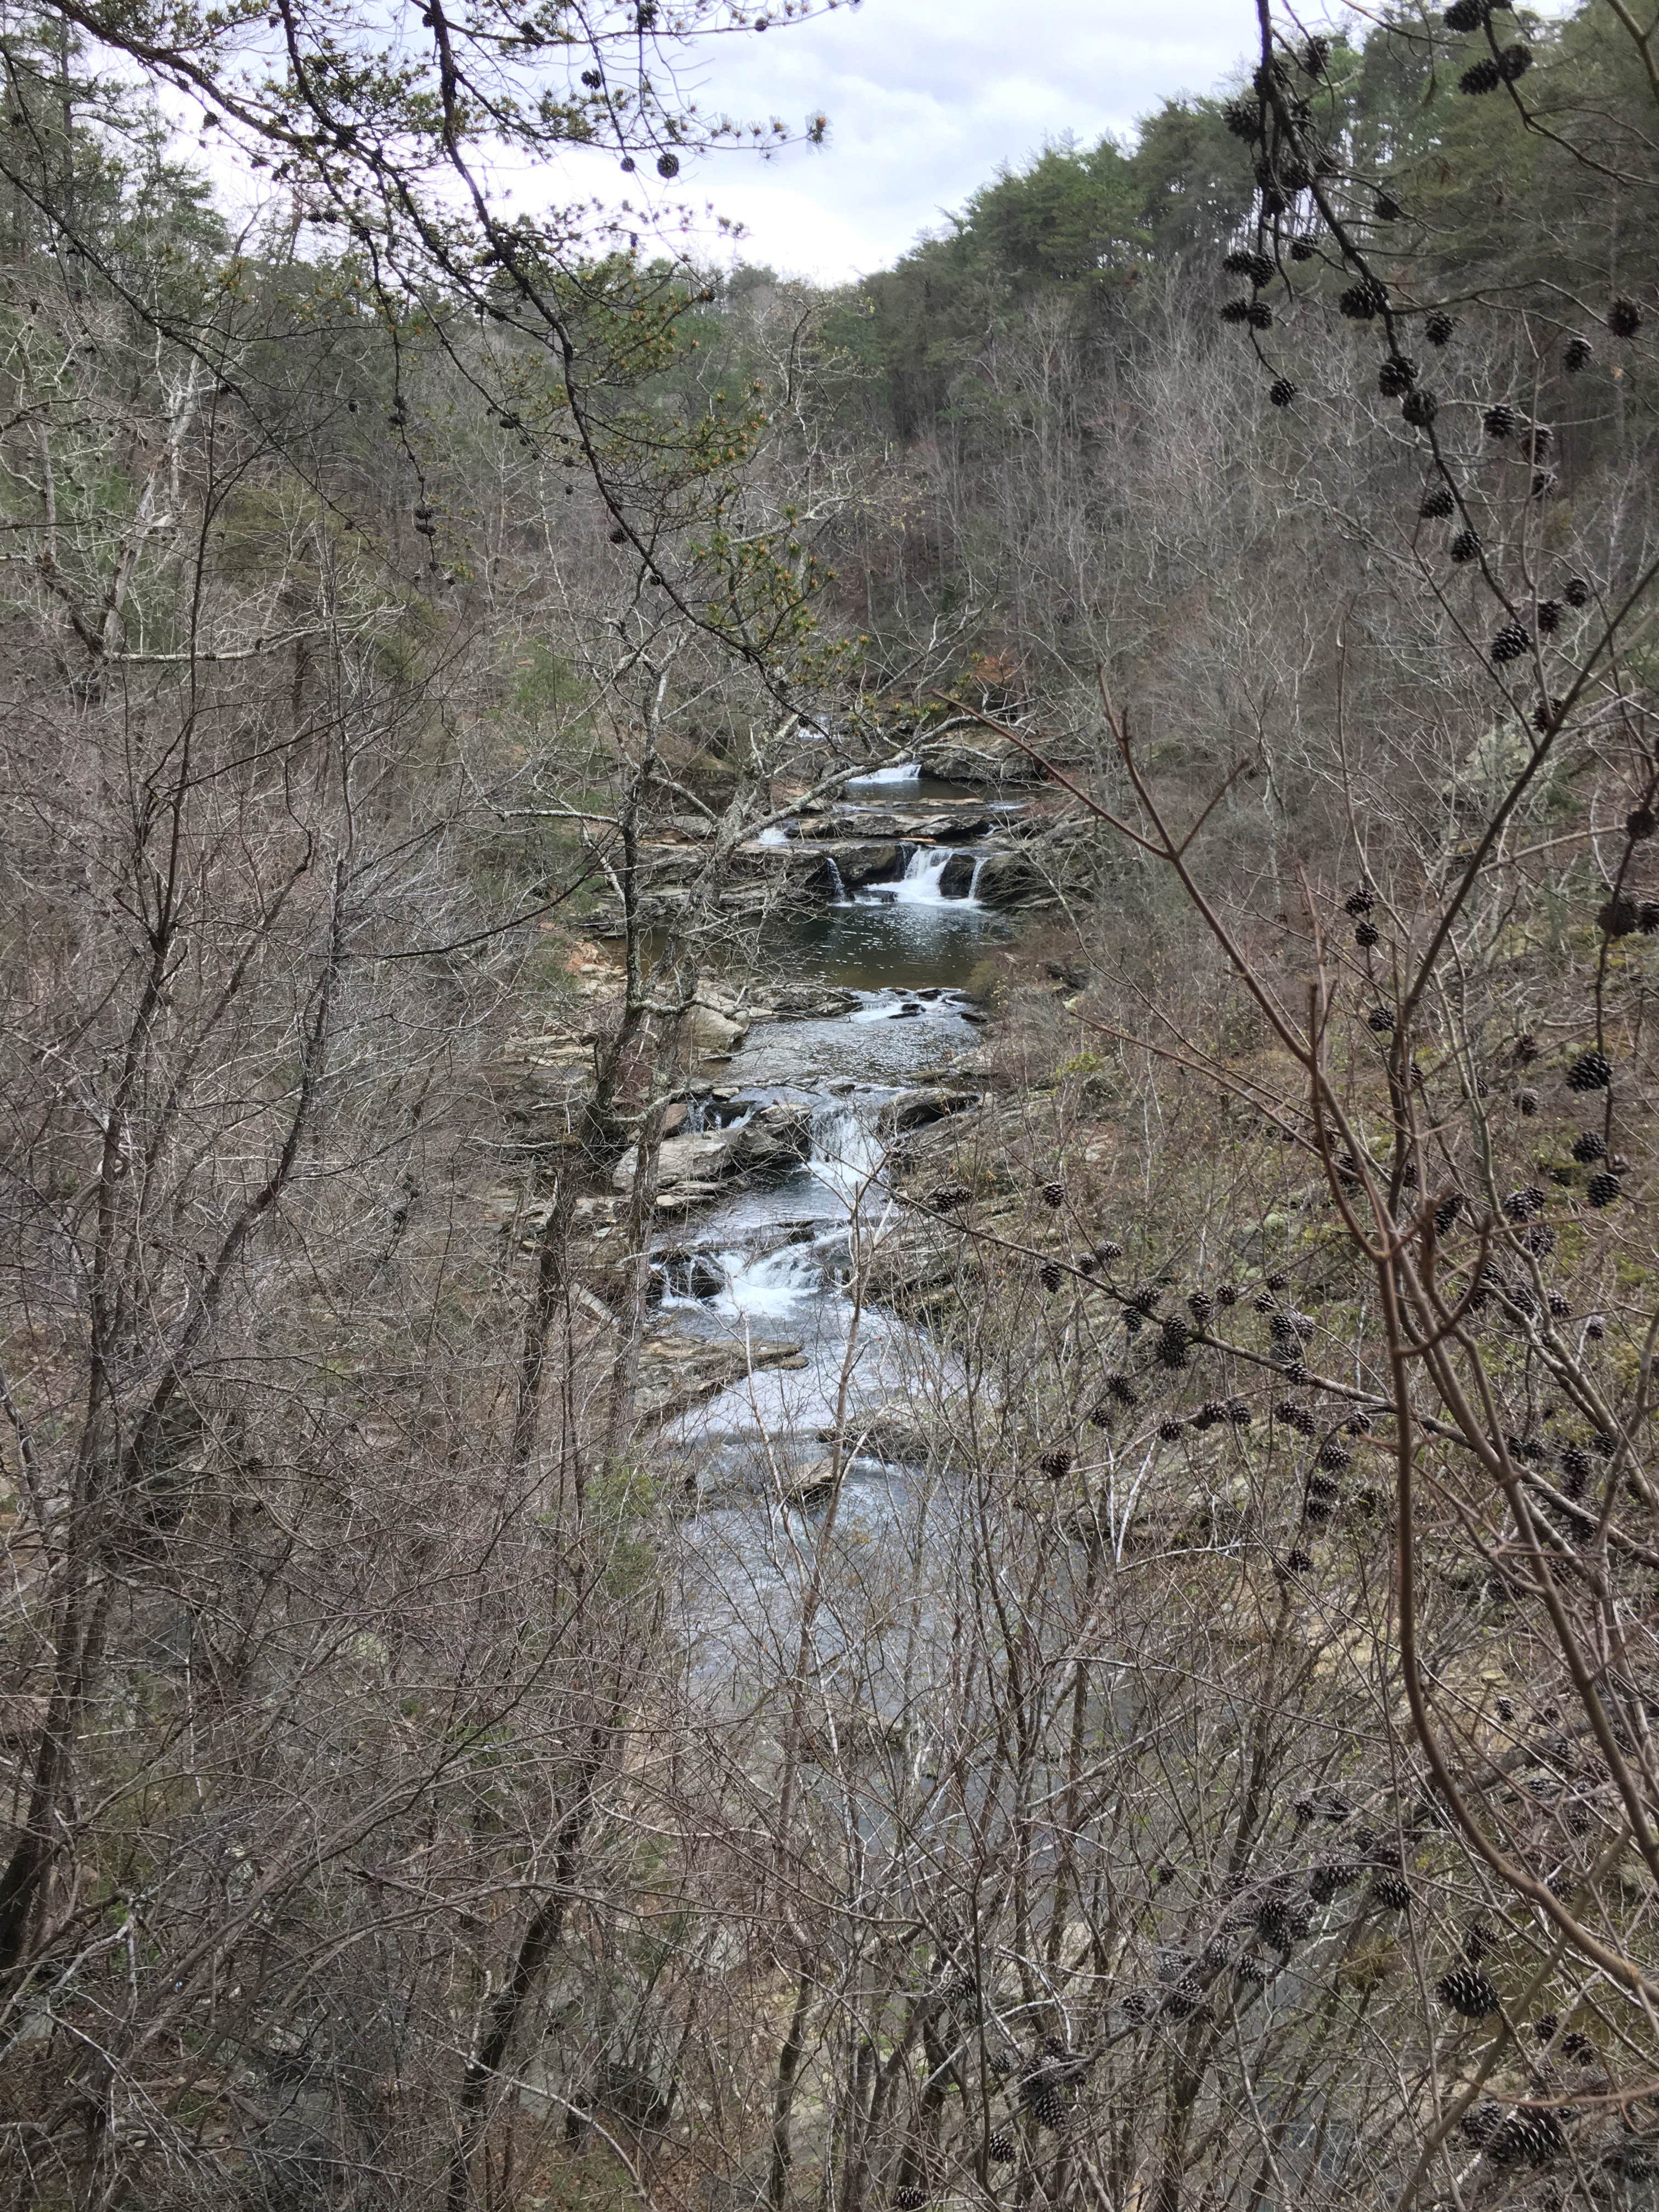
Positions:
(925, 100)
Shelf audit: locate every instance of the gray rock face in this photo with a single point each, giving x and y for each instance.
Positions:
(860, 861)
(914, 1110)
(1011, 879)
(691, 1168)
(957, 880)
(773, 1136)
(958, 761)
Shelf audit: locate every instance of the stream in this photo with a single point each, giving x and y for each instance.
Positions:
(771, 1264)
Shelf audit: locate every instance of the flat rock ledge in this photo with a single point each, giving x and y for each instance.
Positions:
(678, 1369)
(690, 1168)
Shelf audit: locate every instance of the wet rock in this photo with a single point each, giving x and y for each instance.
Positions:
(678, 1370)
(863, 862)
(957, 761)
(715, 1034)
(773, 1136)
(895, 1431)
(691, 1273)
(700, 1159)
(1012, 879)
(914, 1110)
(809, 1002)
(809, 1490)
(691, 1167)
(957, 880)
(953, 826)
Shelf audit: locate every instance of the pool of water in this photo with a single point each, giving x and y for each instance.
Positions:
(880, 942)
(906, 784)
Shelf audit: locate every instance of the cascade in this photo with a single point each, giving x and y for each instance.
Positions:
(898, 772)
(846, 1150)
(837, 888)
(769, 1284)
(919, 883)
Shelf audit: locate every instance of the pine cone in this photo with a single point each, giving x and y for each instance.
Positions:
(1591, 1071)
(1467, 1991)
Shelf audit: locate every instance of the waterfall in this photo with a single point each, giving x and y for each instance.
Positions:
(769, 1285)
(919, 883)
(979, 869)
(696, 1121)
(837, 889)
(896, 772)
(775, 834)
(741, 1285)
(846, 1150)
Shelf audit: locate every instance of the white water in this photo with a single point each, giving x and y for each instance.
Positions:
(837, 888)
(770, 1287)
(924, 871)
(896, 772)
(771, 1265)
(773, 834)
(846, 1152)
(754, 1286)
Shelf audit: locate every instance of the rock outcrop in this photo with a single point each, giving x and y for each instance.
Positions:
(692, 1168)
(678, 1369)
(914, 1110)
(1012, 879)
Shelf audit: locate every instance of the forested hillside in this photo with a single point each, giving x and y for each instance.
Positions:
(828, 1290)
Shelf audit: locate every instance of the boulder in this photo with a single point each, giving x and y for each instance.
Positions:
(1011, 879)
(958, 879)
(691, 1168)
(895, 1430)
(676, 1369)
(861, 861)
(716, 1035)
(811, 1002)
(679, 1160)
(808, 1490)
(914, 1110)
(957, 760)
(773, 1136)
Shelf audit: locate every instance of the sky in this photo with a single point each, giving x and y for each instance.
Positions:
(927, 99)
